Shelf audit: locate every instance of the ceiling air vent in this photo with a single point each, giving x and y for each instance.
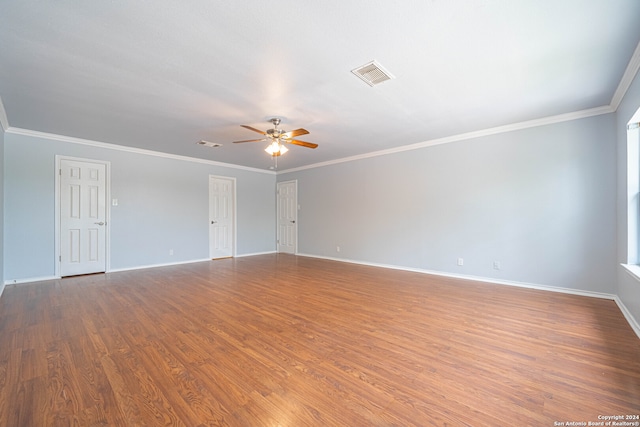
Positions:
(209, 144)
(372, 73)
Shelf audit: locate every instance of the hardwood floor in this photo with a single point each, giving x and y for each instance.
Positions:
(279, 340)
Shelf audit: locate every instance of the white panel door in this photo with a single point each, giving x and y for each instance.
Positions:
(82, 217)
(221, 217)
(288, 217)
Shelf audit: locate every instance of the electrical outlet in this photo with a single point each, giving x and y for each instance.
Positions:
(496, 265)
(460, 261)
(337, 248)
(170, 251)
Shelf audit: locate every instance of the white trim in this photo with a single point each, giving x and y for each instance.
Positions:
(625, 311)
(633, 190)
(168, 264)
(256, 254)
(627, 315)
(633, 270)
(2, 285)
(56, 232)
(117, 270)
(625, 82)
(605, 109)
(627, 78)
(474, 278)
(4, 121)
(30, 280)
(108, 146)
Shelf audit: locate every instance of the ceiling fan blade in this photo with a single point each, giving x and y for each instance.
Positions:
(250, 140)
(294, 133)
(253, 129)
(302, 143)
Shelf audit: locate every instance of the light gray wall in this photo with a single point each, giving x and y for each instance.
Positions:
(541, 201)
(162, 205)
(628, 287)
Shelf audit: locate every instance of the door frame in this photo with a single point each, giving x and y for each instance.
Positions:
(234, 218)
(57, 216)
(295, 243)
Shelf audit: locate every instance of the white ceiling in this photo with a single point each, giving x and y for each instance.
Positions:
(162, 74)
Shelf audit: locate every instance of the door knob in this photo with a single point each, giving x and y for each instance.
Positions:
(292, 222)
(213, 222)
(99, 223)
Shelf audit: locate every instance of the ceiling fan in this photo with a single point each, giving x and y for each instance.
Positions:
(278, 138)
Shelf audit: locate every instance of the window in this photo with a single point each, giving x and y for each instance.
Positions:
(633, 194)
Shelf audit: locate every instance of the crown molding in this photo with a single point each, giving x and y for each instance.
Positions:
(605, 109)
(4, 122)
(627, 78)
(108, 146)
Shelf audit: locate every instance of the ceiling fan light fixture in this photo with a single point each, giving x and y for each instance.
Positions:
(276, 149)
(278, 139)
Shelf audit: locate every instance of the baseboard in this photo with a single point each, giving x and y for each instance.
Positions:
(112, 270)
(625, 311)
(168, 264)
(476, 278)
(29, 280)
(115, 270)
(255, 254)
(627, 315)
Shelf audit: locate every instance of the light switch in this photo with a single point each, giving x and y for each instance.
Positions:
(114, 202)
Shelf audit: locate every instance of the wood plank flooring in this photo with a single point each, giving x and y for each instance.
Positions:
(280, 340)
